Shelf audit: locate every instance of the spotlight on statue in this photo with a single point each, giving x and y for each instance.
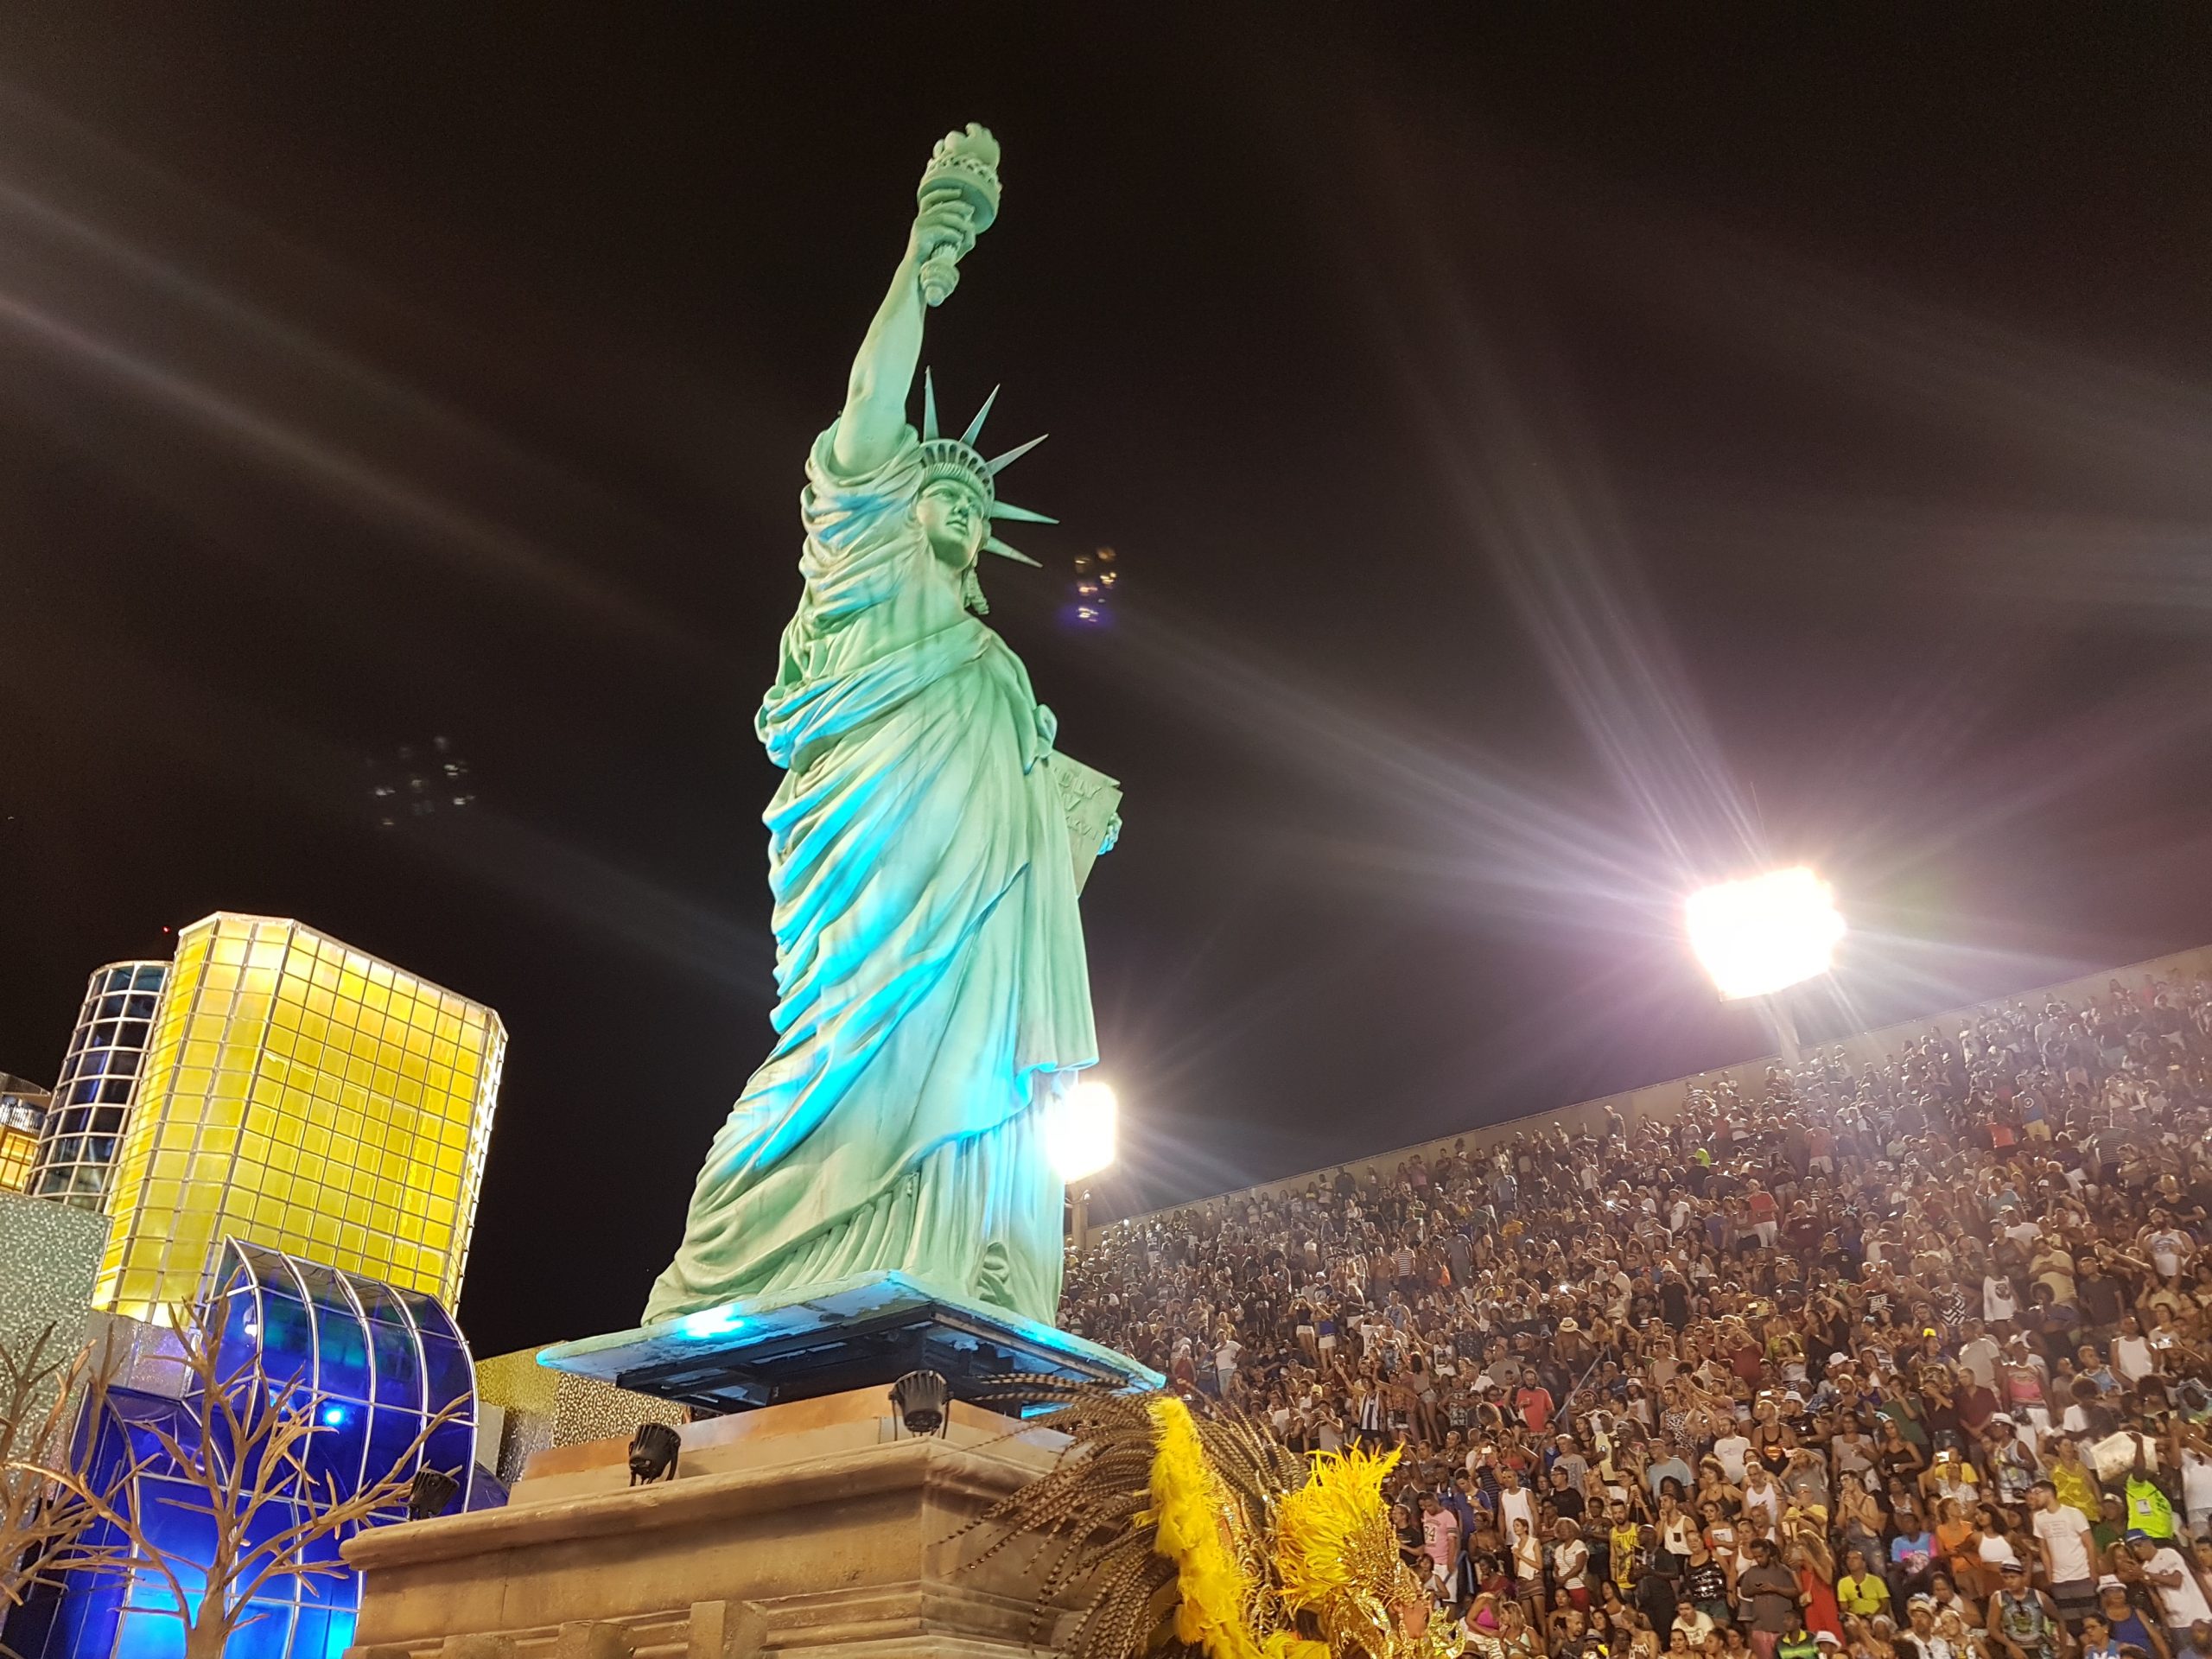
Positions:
(429, 1493)
(1764, 933)
(921, 1399)
(652, 1453)
(1080, 1130)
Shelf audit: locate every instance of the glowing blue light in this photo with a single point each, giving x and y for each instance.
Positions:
(710, 1322)
(335, 1416)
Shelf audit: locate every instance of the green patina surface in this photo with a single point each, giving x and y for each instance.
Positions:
(933, 993)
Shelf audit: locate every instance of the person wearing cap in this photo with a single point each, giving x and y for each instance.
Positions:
(2010, 1459)
(2023, 1620)
(2181, 1598)
(2125, 1627)
(1917, 1636)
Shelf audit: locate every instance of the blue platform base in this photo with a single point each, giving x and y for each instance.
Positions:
(852, 1333)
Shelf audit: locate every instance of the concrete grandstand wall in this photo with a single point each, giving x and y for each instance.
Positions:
(1661, 1102)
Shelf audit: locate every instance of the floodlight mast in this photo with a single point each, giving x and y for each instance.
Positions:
(1784, 1024)
(1757, 936)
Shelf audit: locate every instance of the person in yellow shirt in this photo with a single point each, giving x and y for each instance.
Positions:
(1860, 1590)
(2075, 1483)
(1624, 1542)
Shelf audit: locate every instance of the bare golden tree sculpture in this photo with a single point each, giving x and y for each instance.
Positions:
(249, 1473)
(43, 1378)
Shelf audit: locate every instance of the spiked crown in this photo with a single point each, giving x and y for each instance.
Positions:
(958, 458)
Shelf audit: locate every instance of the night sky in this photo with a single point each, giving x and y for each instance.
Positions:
(1552, 459)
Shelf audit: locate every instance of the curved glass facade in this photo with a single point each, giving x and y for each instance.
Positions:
(374, 1361)
(92, 1101)
(377, 1359)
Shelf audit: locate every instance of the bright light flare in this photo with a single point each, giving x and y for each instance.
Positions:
(1756, 935)
(1080, 1130)
(709, 1323)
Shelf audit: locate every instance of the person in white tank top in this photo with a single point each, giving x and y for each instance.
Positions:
(2197, 1486)
(2130, 1352)
(1762, 1502)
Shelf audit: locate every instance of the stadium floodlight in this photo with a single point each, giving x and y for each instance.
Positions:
(1764, 933)
(1079, 1131)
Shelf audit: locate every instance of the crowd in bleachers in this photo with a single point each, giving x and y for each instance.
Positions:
(1907, 1361)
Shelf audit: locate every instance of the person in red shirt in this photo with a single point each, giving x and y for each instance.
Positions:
(1974, 1404)
(1746, 1358)
(1819, 1149)
(1763, 1219)
(1534, 1403)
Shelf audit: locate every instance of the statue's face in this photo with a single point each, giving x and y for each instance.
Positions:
(951, 515)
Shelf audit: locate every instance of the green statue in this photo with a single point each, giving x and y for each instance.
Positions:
(925, 849)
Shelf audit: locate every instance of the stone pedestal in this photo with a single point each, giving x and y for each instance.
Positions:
(817, 1530)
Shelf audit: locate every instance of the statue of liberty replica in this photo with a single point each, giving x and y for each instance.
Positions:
(925, 849)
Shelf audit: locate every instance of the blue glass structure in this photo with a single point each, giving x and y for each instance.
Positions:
(376, 1362)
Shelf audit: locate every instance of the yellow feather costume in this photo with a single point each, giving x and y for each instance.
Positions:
(1257, 1550)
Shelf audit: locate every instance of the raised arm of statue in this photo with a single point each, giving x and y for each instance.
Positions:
(883, 372)
(956, 202)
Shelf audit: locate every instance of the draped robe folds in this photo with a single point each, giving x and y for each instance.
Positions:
(933, 994)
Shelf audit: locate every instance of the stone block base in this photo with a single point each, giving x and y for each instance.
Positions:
(829, 1534)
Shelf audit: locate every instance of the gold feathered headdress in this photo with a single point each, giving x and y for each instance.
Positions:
(1206, 1535)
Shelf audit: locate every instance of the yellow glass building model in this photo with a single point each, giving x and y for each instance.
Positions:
(17, 1147)
(301, 1095)
(19, 1122)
